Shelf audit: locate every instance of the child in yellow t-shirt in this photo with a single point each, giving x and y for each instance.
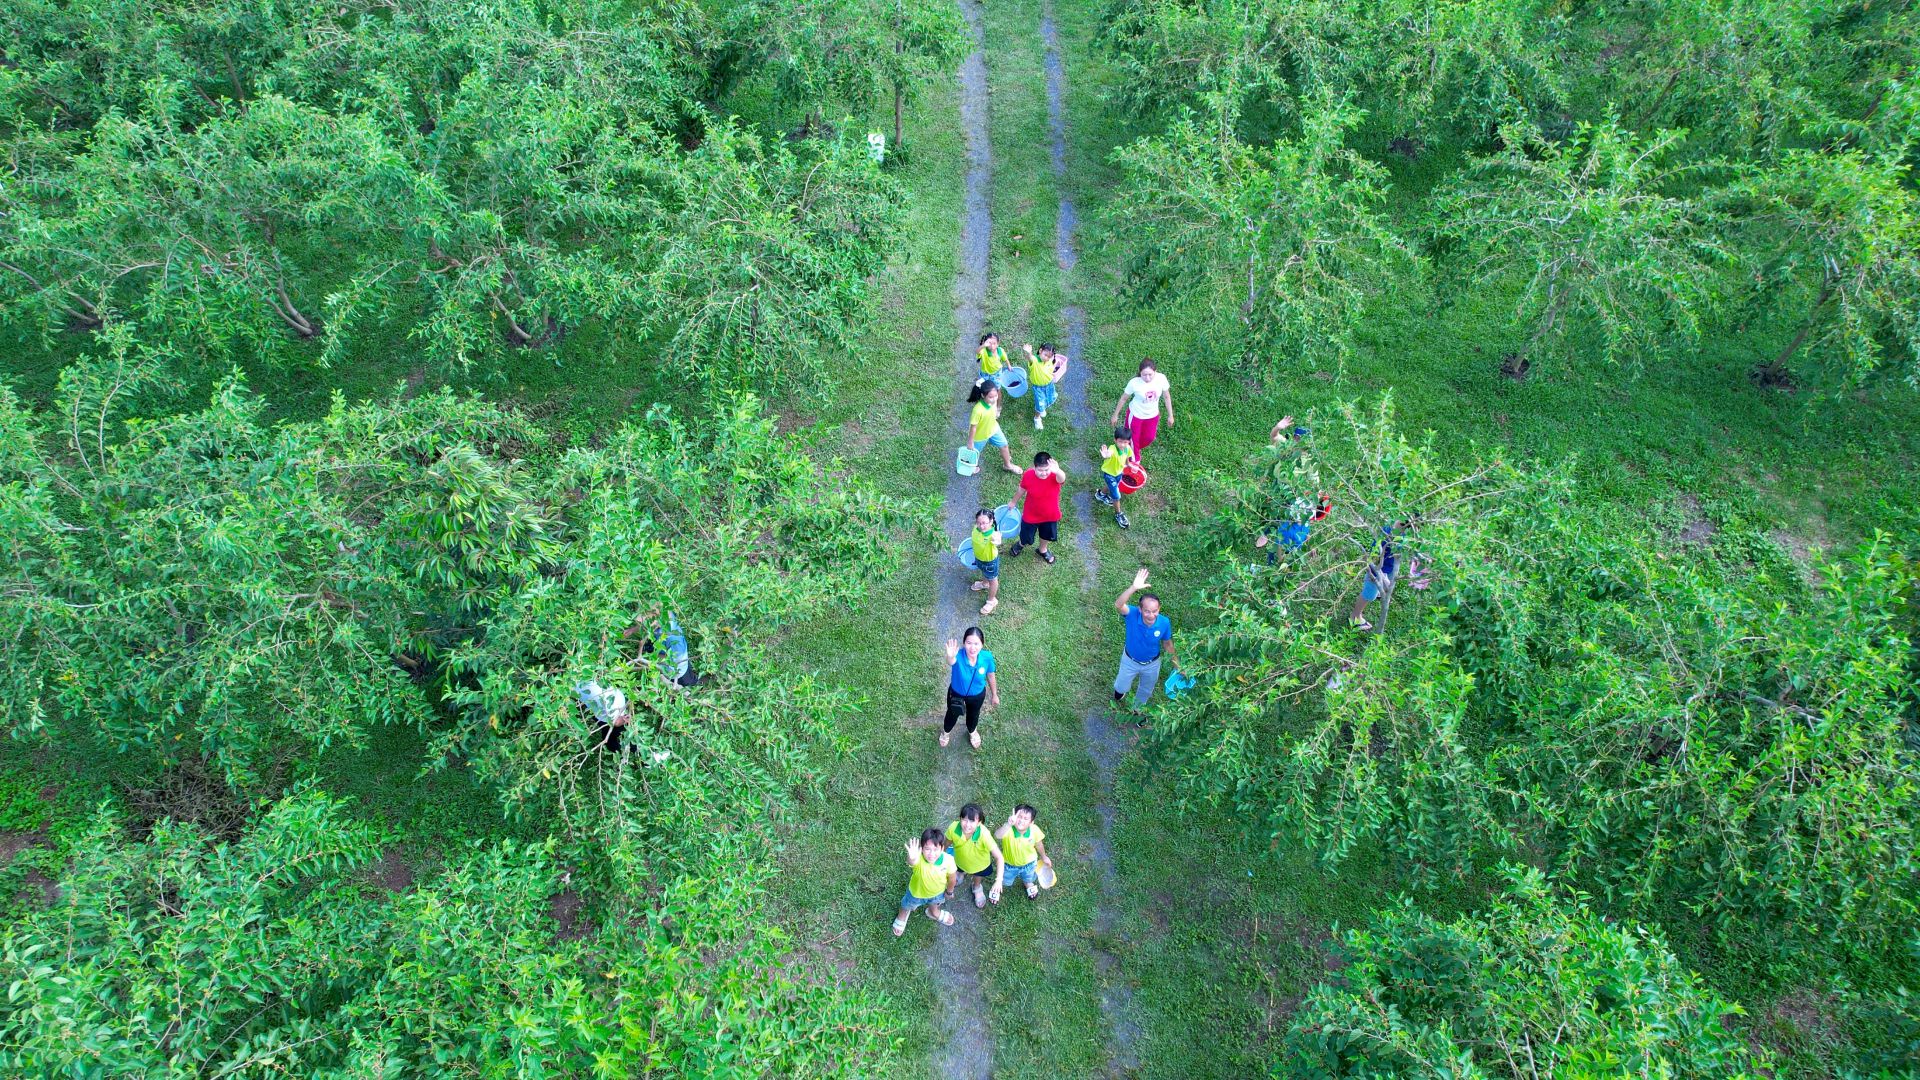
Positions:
(986, 557)
(983, 423)
(1113, 462)
(991, 356)
(930, 879)
(975, 853)
(1024, 848)
(1043, 374)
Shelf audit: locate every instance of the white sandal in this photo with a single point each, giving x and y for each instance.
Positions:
(987, 608)
(974, 738)
(1033, 891)
(899, 927)
(979, 897)
(945, 918)
(979, 586)
(944, 736)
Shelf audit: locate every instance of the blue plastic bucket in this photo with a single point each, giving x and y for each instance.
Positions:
(1012, 380)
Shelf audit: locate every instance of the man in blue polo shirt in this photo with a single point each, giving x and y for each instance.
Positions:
(1149, 636)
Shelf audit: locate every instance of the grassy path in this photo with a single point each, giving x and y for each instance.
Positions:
(1159, 953)
(1105, 742)
(953, 963)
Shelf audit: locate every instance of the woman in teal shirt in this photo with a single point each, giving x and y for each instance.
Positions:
(971, 682)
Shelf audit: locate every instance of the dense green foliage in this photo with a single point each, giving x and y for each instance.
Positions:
(1631, 172)
(274, 954)
(468, 180)
(1533, 986)
(1672, 728)
(209, 586)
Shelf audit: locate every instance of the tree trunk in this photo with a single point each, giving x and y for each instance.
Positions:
(85, 315)
(1659, 99)
(897, 102)
(516, 334)
(1780, 362)
(291, 315)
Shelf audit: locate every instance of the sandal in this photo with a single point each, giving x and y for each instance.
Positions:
(979, 586)
(979, 897)
(1362, 624)
(987, 608)
(945, 918)
(1047, 557)
(1033, 891)
(944, 737)
(899, 927)
(974, 738)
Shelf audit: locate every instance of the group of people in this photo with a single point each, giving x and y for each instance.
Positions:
(1040, 487)
(988, 858)
(1298, 503)
(970, 848)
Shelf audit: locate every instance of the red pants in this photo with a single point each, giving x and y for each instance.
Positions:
(1144, 432)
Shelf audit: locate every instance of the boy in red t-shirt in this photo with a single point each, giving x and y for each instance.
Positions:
(1039, 502)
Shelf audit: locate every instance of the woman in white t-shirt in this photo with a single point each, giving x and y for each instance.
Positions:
(1147, 391)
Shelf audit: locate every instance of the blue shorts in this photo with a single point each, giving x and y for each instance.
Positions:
(1113, 486)
(988, 570)
(998, 438)
(910, 901)
(1043, 397)
(1371, 587)
(1024, 875)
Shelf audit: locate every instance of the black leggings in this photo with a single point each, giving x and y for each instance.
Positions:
(956, 703)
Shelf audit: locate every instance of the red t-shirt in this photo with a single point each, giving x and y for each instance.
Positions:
(1043, 496)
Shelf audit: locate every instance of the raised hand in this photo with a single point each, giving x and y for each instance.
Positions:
(953, 649)
(1140, 578)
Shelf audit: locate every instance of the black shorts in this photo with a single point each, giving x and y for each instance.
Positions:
(1047, 530)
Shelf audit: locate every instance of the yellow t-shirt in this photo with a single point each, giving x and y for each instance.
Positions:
(985, 423)
(973, 852)
(1018, 847)
(986, 544)
(991, 360)
(930, 878)
(1112, 464)
(1040, 371)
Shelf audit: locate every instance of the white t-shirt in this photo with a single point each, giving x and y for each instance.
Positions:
(1145, 396)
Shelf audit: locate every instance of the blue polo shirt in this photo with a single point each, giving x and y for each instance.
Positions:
(970, 679)
(1143, 641)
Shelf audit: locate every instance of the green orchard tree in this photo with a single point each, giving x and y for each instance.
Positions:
(1839, 232)
(734, 532)
(1601, 235)
(176, 956)
(1537, 985)
(1243, 64)
(207, 584)
(1292, 236)
(1653, 724)
(1466, 67)
(850, 53)
(1315, 736)
(763, 256)
(475, 179)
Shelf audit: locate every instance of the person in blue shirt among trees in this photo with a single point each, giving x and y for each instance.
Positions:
(1377, 581)
(1149, 637)
(970, 683)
